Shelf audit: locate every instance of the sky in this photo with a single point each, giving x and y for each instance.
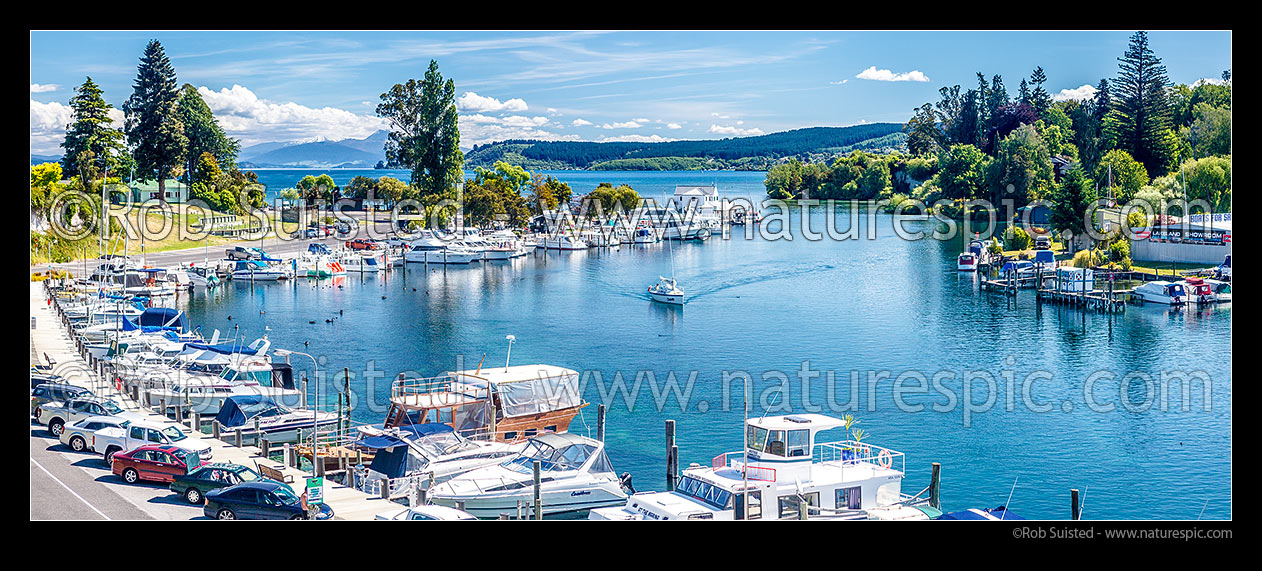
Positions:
(584, 85)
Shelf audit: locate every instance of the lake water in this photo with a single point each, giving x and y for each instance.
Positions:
(888, 307)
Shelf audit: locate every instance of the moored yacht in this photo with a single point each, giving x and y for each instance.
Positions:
(1168, 293)
(275, 422)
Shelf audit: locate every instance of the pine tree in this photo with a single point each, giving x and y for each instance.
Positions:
(1140, 114)
(1023, 92)
(154, 129)
(1039, 98)
(91, 132)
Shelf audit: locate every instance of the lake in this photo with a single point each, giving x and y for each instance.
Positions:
(1075, 396)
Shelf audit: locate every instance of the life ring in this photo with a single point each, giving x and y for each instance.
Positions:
(885, 459)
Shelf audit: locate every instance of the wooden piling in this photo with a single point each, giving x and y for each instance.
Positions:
(195, 422)
(214, 429)
(935, 486)
(803, 509)
(600, 422)
(538, 497)
(238, 436)
(670, 443)
(1074, 508)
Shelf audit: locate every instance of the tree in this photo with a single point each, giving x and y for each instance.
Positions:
(1040, 101)
(547, 193)
(961, 172)
(92, 131)
(424, 135)
(391, 189)
(359, 187)
(1210, 132)
(1071, 200)
(153, 126)
(1140, 116)
(923, 136)
(317, 187)
(203, 131)
(1023, 162)
(1127, 174)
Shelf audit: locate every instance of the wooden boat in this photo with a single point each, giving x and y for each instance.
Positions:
(505, 404)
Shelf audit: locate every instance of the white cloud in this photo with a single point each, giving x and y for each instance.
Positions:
(673, 126)
(624, 125)
(49, 122)
(713, 114)
(643, 121)
(37, 88)
(842, 82)
(1206, 80)
(243, 115)
(875, 74)
(737, 131)
(580, 122)
(1087, 91)
(470, 101)
(635, 139)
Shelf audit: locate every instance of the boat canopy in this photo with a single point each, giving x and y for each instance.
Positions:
(226, 348)
(527, 389)
(164, 317)
(237, 410)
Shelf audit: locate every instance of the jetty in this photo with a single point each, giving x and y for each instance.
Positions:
(52, 346)
(1052, 287)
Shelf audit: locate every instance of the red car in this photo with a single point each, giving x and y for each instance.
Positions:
(362, 244)
(153, 462)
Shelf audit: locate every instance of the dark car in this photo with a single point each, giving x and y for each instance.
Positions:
(54, 392)
(198, 482)
(258, 500)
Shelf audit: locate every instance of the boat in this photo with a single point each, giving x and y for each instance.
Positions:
(202, 277)
(645, 235)
(564, 242)
(505, 245)
(256, 271)
(1199, 291)
(368, 262)
(242, 376)
(318, 262)
(785, 463)
(665, 291)
(1000, 513)
(966, 262)
(505, 404)
(275, 422)
(1168, 293)
(1221, 289)
(431, 449)
(428, 248)
(575, 475)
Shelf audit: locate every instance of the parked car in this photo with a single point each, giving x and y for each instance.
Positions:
(1042, 242)
(258, 500)
(153, 462)
(56, 416)
(213, 476)
(426, 513)
(80, 434)
(110, 441)
(244, 253)
(54, 392)
(363, 244)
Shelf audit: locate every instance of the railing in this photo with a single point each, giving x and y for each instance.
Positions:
(853, 452)
(434, 386)
(735, 461)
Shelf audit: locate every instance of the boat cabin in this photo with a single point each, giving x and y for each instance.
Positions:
(504, 403)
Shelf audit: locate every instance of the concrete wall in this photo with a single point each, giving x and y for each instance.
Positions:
(1144, 250)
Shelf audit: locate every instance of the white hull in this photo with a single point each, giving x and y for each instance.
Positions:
(441, 257)
(555, 501)
(672, 299)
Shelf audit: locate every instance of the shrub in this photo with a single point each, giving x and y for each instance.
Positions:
(1015, 238)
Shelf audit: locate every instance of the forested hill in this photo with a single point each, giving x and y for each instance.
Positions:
(744, 153)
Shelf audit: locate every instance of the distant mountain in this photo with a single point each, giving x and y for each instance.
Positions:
(346, 153)
(41, 159)
(743, 153)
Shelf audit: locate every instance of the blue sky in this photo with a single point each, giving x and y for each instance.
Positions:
(576, 85)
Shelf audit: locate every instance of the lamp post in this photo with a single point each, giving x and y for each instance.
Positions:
(510, 338)
(315, 405)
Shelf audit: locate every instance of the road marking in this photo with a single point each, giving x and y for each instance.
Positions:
(72, 492)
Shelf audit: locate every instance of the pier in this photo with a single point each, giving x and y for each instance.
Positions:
(52, 345)
(1050, 289)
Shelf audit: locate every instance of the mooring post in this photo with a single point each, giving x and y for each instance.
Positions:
(1074, 509)
(195, 423)
(214, 429)
(304, 391)
(265, 448)
(600, 422)
(935, 486)
(238, 432)
(802, 509)
(670, 444)
(538, 497)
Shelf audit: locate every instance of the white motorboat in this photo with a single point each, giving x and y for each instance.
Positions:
(1200, 291)
(1168, 293)
(430, 249)
(784, 464)
(429, 449)
(966, 262)
(504, 245)
(256, 271)
(646, 235)
(575, 473)
(275, 422)
(666, 291)
(243, 375)
(203, 277)
(1221, 290)
(360, 262)
(563, 242)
